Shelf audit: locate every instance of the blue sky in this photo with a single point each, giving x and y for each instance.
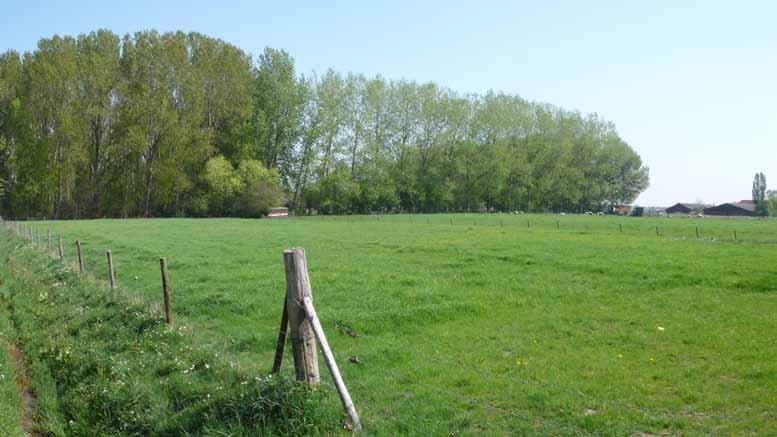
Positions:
(692, 86)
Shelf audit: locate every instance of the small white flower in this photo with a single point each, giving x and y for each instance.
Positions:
(660, 328)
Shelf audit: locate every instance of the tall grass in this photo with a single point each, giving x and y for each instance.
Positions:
(10, 395)
(104, 364)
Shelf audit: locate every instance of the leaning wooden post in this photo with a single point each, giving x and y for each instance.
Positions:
(281, 344)
(620, 226)
(331, 364)
(111, 274)
(166, 291)
(61, 252)
(80, 257)
(303, 341)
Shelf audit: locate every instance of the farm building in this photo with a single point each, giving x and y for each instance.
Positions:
(278, 212)
(621, 210)
(686, 208)
(745, 208)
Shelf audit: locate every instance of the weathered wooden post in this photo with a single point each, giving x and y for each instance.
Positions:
(558, 226)
(697, 232)
(49, 239)
(528, 224)
(281, 343)
(735, 235)
(656, 231)
(303, 342)
(61, 252)
(80, 257)
(620, 226)
(166, 291)
(306, 329)
(111, 274)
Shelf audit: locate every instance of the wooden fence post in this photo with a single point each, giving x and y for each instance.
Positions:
(80, 257)
(166, 291)
(735, 235)
(303, 341)
(656, 231)
(61, 252)
(620, 226)
(111, 274)
(49, 239)
(697, 232)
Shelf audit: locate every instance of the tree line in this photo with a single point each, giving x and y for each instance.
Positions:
(175, 124)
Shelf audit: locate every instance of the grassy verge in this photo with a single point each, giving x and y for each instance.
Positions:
(10, 396)
(104, 364)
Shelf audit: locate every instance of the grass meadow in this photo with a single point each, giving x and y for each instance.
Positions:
(498, 324)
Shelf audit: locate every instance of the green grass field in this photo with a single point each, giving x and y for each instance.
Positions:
(503, 324)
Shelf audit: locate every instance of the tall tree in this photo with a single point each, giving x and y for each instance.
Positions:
(279, 99)
(98, 79)
(759, 195)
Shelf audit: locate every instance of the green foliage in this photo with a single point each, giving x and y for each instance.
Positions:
(104, 364)
(223, 185)
(248, 191)
(759, 195)
(102, 125)
(260, 189)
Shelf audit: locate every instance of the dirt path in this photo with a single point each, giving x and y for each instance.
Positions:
(28, 397)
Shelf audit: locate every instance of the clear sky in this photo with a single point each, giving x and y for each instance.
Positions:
(692, 86)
